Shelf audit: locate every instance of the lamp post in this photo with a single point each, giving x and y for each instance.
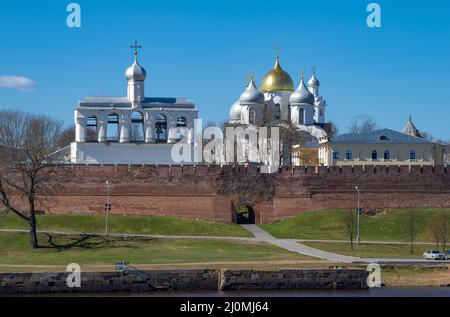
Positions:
(357, 218)
(107, 208)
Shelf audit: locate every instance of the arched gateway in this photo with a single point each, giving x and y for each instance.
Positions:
(245, 215)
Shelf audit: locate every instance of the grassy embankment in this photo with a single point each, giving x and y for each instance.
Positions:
(127, 224)
(15, 250)
(328, 225)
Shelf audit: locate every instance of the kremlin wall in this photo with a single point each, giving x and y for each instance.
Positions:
(197, 191)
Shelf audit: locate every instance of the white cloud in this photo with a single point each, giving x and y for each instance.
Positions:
(23, 84)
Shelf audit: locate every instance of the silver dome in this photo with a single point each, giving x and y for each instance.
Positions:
(135, 72)
(313, 81)
(251, 94)
(235, 111)
(302, 95)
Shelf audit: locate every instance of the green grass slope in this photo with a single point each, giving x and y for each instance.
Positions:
(327, 224)
(127, 224)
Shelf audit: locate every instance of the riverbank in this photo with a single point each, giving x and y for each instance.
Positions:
(183, 280)
(392, 276)
(416, 275)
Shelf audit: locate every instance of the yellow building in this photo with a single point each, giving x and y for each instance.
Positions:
(304, 156)
(380, 147)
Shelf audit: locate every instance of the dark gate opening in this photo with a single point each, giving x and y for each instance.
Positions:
(245, 215)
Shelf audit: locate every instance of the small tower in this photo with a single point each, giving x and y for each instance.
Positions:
(319, 102)
(411, 129)
(135, 75)
(313, 83)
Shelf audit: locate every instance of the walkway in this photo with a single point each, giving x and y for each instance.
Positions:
(294, 246)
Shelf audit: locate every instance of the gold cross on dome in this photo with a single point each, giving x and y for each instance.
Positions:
(277, 51)
(314, 70)
(136, 46)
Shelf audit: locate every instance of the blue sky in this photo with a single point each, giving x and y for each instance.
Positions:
(203, 49)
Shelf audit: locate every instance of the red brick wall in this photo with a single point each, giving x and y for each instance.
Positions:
(192, 192)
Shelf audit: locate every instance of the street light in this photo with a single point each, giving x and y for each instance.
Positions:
(107, 208)
(357, 218)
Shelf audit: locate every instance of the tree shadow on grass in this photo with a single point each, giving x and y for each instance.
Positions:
(89, 241)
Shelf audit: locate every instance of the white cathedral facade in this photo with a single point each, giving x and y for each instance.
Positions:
(130, 130)
(278, 102)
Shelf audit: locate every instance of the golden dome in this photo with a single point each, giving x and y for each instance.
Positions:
(277, 80)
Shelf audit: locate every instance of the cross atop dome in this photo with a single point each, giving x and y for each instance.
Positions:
(277, 51)
(136, 46)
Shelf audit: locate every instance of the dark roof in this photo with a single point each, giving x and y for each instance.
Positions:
(383, 136)
(124, 102)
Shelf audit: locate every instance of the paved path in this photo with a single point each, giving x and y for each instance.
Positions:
(131, 235)
(294, 246)
(258, 233)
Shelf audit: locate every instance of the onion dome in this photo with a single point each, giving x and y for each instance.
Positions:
(277, 79)
(135, 72)
(301, 95)
(313, 81)
(251, 94)
(235, 111)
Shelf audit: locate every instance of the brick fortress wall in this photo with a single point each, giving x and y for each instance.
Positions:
(192, 192)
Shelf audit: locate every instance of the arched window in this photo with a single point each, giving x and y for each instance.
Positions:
(387, 155)
(252, 116)
(335, 155)
(161, 128)
(374, 155)
(412, 155)
(112, 129)
(277, 112)
(301, 116)
(91, 129)
(181, 122)
(348, 155)
(137, 133)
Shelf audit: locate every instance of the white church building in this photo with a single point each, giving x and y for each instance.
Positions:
(131, 130)
(278, 102)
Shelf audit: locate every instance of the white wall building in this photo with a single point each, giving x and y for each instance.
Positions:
(278, 103)
(131, 130)
(380, 147)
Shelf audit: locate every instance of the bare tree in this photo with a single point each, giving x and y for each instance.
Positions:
(349, 223)
(438, 229)
(367, 125)
(334, 129)
(26, 141)
(427, 136)
(433, 231)
(444, 228)
(290, 136)
(410, 229)
(66, 137)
